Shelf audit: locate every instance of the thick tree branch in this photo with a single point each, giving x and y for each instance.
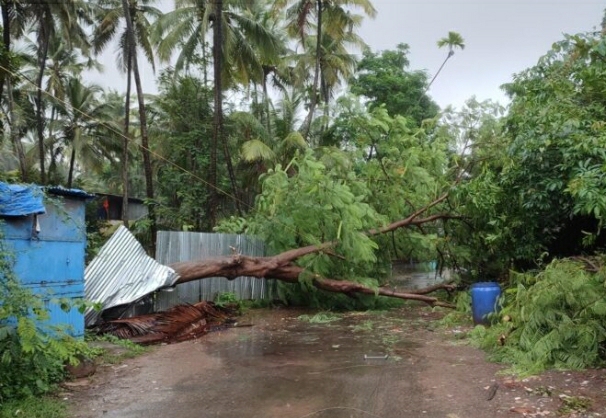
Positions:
(275, 268)
(281, 266)
(411, 220)
(449, 287)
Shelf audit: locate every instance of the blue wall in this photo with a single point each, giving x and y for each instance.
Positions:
(51, 262)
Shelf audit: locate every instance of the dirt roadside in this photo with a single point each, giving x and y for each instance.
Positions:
(284, 367)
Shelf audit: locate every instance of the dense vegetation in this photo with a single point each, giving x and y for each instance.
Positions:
(268, 123)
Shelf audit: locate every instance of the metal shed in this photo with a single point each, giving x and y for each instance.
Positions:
(46, 232)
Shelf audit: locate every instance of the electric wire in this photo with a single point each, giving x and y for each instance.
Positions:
(120, 134)
(155, 154)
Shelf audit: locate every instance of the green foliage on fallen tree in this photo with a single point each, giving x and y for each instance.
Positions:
(315, 206)
(340, 200)
(551, 320)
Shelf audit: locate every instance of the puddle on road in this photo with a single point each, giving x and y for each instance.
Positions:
(346, 340)
(416, 276)
(285, 367)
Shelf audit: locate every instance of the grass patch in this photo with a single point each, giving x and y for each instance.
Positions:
(390, 340)
(574, 404)
(320, 318)
(34, 407)
(455, 319)
(367, 325)
(127, 349)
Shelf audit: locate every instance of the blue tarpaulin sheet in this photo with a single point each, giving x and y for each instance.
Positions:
(21, 200)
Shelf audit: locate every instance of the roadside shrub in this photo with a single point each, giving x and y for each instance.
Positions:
(553, 319)
(32, 355)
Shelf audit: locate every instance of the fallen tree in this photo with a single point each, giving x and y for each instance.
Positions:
(283, 266)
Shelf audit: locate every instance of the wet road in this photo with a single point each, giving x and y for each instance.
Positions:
(284, 367)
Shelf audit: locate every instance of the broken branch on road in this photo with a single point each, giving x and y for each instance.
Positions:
(283, 267)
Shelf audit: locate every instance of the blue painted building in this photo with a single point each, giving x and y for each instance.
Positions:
(46, 232)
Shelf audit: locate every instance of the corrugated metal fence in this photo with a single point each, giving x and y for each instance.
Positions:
(173, 247)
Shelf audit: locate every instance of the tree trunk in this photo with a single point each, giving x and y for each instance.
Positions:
(217, 117)
(52, 166)
(72, 163)
(280, 267)
(218, 124)
(205, 64)
(5, 7)
(125, 139)
(14, 131)
(266, 107)
(43, 42)
(231, 172)
(314, 92)
(147, 168)
(450, 54)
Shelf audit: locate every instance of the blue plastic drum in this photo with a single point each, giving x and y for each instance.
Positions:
(484, 297)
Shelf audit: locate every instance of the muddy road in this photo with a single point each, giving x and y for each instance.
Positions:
(286, 367)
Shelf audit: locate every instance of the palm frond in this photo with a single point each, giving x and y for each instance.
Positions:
(179, 323)
(257, 150)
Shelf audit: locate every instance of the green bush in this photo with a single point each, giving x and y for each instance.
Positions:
(34, 407)
(554, 319)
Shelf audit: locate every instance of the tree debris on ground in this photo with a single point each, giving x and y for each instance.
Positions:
(179, 323)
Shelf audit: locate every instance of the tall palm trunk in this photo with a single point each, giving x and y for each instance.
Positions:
(218, 125)
(450, 54)
(14, 135)
(213, 200)
(125, 139)
(52, 166)
(266, 108)
(147, 168)
(43, 42)
(218, 128)
(72, 163)
(205, 64)
(314, 92)
(325, 98)
(6, 7)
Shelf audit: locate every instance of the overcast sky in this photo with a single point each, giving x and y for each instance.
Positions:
(502, 37)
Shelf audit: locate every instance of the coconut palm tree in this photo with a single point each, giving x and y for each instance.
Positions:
(337, 62)
(87, 126)
(242, 44)
(62, 64)
(138, 17)
(13, 26)
(50, 17)
(250, 37)
(303, 14)
(259, 145)
(262, 148)
(453, 41)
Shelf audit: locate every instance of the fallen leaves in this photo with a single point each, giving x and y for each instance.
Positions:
(179, 323)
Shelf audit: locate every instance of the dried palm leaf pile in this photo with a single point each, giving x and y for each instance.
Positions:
(179, 323)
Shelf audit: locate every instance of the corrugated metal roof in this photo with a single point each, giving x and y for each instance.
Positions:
(62, 191)
(122, 273)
